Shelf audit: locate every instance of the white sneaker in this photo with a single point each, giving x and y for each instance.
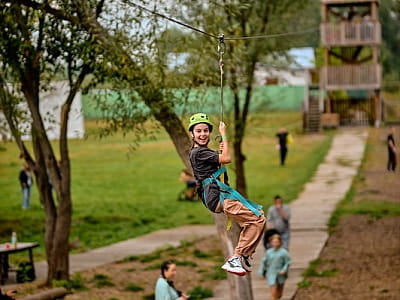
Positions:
(246, 263)
(234, 266)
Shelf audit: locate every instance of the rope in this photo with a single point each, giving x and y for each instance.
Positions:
(267, 36)
(221, 51)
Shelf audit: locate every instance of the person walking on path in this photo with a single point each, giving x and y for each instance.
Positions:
(278, 218)
(392, 151)
(165, 289)
(25, 179)
(284, 139)
(219, 197)
(274, 267)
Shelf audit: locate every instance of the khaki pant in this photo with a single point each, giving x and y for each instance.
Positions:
(252, 226)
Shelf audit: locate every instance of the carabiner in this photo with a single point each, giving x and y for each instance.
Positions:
(221, 44)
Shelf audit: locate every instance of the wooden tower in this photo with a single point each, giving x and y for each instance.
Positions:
(350, 78)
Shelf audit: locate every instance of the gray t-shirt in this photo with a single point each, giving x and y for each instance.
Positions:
(276, 220)
(204, 163)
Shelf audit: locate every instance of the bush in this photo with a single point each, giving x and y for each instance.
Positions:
(199, 292)
(76, 283)
(102, 280)
(133, 287)
(25, 272)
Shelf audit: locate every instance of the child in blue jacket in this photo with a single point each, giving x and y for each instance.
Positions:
(274, 266)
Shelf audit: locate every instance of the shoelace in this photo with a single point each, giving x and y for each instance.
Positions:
(235, 261)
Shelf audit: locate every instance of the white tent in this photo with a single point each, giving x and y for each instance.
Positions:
(50, 105)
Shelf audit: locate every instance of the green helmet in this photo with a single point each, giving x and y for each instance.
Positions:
(199, 118)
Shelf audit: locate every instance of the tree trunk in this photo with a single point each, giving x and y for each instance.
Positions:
(173, 125)
(239, 167)
(240, 286)
(46, 196)
(57, 222)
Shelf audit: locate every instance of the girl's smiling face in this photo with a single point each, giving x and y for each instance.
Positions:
(201, 134)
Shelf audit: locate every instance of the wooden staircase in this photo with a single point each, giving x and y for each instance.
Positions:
(311, 112)
(313, 122)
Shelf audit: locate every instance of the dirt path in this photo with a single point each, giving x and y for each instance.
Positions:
(362, 257)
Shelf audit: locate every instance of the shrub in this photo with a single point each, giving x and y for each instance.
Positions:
(199, 292)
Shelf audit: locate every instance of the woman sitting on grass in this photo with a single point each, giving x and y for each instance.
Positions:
(165, 289)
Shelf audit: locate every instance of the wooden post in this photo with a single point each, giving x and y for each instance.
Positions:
(377, 104)
(374, 11)
(328, 103)
(240, 286)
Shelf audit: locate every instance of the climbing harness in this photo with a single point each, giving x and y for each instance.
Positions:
(227, 192)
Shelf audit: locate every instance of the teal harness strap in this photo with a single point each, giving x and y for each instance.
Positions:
(230, 193)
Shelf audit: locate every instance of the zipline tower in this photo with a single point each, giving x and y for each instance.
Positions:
(350, 78)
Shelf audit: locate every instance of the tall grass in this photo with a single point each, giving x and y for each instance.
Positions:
(118, 194)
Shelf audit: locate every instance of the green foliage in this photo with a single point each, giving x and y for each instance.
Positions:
(199, 292)
(149, 297)
(389, 15)
(150, 257)
(201, 254)
(133, 288)
(75, 283)
(374, 209)
(217, 274)
(304, 284)
(186, 263)
(313, 272)
(186, 243)
(25, 272)
(156, 266)
(102, 280)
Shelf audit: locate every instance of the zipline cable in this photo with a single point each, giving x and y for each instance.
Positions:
(271, 35)
(170, 19)
(267, 36)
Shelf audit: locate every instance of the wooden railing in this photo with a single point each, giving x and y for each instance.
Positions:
(366, 76)
(364, 32)
(354, 112)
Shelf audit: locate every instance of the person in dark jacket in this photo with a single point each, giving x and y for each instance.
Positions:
(25, 179)
(392, 151)
(282, 145)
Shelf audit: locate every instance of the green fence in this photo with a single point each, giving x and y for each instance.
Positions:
(265, 98)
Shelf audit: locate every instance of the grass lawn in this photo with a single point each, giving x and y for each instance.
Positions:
(118, 194)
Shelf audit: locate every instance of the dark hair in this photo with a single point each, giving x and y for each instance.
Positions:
(164, 267)
(277, 197)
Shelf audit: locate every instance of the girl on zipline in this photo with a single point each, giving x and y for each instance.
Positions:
(219, 197)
